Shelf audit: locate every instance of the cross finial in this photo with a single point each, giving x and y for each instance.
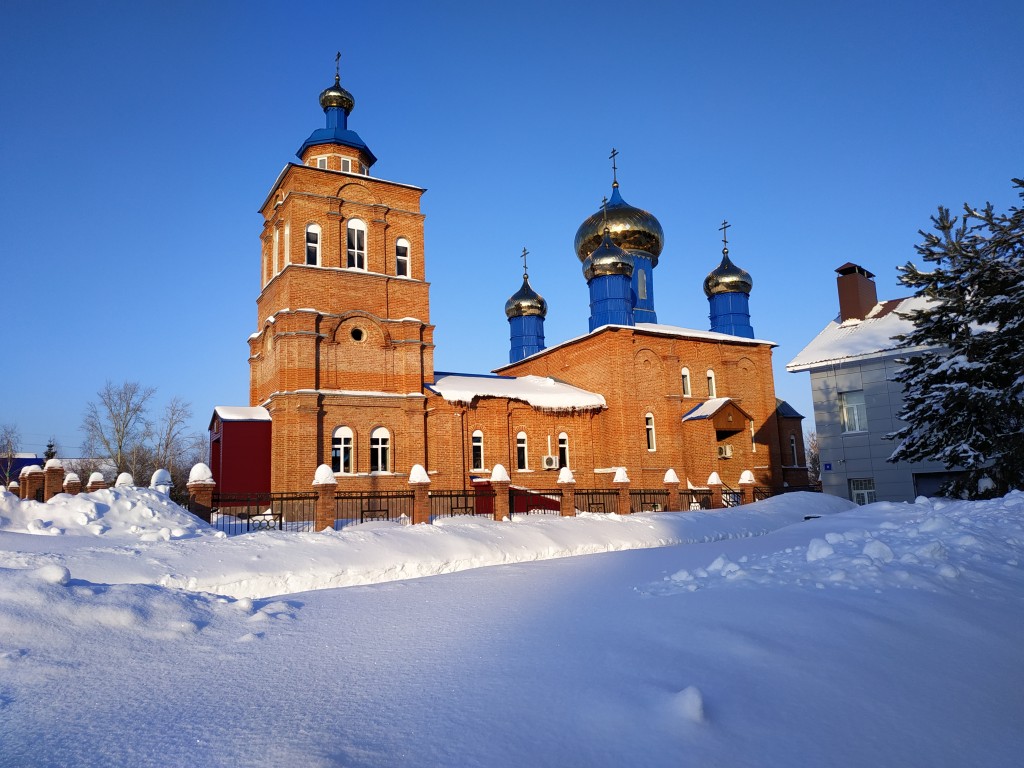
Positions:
(604, 211)
(337, 65)
(615, 169)
(725, 236)
(525, 272)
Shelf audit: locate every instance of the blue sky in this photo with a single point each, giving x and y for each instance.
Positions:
(137, 141)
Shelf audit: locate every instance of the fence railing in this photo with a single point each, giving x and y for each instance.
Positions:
(695, 499)
(598, 500)
(761, 493)
(236, 513)
(359, 507)
(648, 500)
(479, 501)
(528, 501)
(731, 497)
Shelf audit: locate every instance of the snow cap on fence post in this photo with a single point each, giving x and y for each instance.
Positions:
(714, 479)
(161, 481)
(620, 475)
(124, 480)
(500, 475)
(565, 476)
(420, 483)
(200, 473)
(671, 476)
(671, 483)
(418, 475)
(324, 475)
(200, 491)
(747, 477)
(325, 484)
(96, 482)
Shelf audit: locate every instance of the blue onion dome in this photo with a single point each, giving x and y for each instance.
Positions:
(727, 278)
(526, 302)
(336, 96)
(631, 228)
(607, 259)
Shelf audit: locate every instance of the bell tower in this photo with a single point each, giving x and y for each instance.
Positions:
(343, 312)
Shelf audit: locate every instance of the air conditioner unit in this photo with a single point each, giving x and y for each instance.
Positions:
(725, 451)
(550, 462)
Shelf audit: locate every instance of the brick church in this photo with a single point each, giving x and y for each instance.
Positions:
(342, 358)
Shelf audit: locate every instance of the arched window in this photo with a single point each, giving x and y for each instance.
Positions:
(478, 450)
(341, 451)
(521, 453)
(712, 389)
(356, 237)
(313, 244)
(686, 382)
(652, 444)
(792, 450)
(380, 450)
(563, 450)
(641, 285)
(403, 268)
(277, 249)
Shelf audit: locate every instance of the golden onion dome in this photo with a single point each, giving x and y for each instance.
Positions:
(727, 278)
(336, 96)
(631, 228)
(607, 259)
(526, 302)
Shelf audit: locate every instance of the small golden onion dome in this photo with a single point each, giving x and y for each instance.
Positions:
(607, 259)
(526, 302)
(727, 278)
(336, 96)
(631, 228)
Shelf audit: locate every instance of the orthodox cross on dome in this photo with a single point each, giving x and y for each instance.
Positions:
(526, 274)
(615, 169)
(725, 235)
(337, 65)
(604, 211)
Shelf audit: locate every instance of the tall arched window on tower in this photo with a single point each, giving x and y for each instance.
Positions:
(712, 389)
(652, 444)
(521, 453)
(403, 268)
(380, 450)
(356, 237)
(563, 450)
(641, 285)
(686, 382)
(792, 450)
(277, 248)
(478, 450)
(313, 244)
(341, 451)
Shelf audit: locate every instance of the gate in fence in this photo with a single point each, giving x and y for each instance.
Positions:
(359, 507)
(600, 500)
(479, 501)
(648, 501)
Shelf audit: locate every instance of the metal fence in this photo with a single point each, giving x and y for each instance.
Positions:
(761, 493)
(648, 500)
(478, 501)
(600, 500)
(236, 513)
(731, 497)
(695, 500)
(359, 507)
(527, 501)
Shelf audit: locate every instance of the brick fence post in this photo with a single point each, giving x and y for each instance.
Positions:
(200, 490)
(672, 486)
(501, 482)
(747, 482)
(568, 485)
(72, 484)
(621, 482)
(325, 484)
(715, 484)
(420, 482)
(53, 482)
(96, 483)
(32, 479)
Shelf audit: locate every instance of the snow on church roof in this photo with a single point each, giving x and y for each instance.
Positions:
(537, 391)
(707, 409)
(241, 413)
(858, 339)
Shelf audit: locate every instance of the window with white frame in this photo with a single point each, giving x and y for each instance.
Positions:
(563, 450)
(341, 450)
(862, 490)
(356, 237)
(346, 165)
(478, 450)
(792, 450)
(521, 452)
(652, 444)
(402, 258)
(313, 244)
(641, 285)
(321, 162)
(853, 411)
(380, 450)
(712, 389)
(686, 382)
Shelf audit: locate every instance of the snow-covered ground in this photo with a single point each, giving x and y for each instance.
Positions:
(132, 634)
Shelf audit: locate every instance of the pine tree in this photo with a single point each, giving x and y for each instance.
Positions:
(964, 381)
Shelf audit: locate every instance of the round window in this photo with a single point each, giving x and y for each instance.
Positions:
(357, 334)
